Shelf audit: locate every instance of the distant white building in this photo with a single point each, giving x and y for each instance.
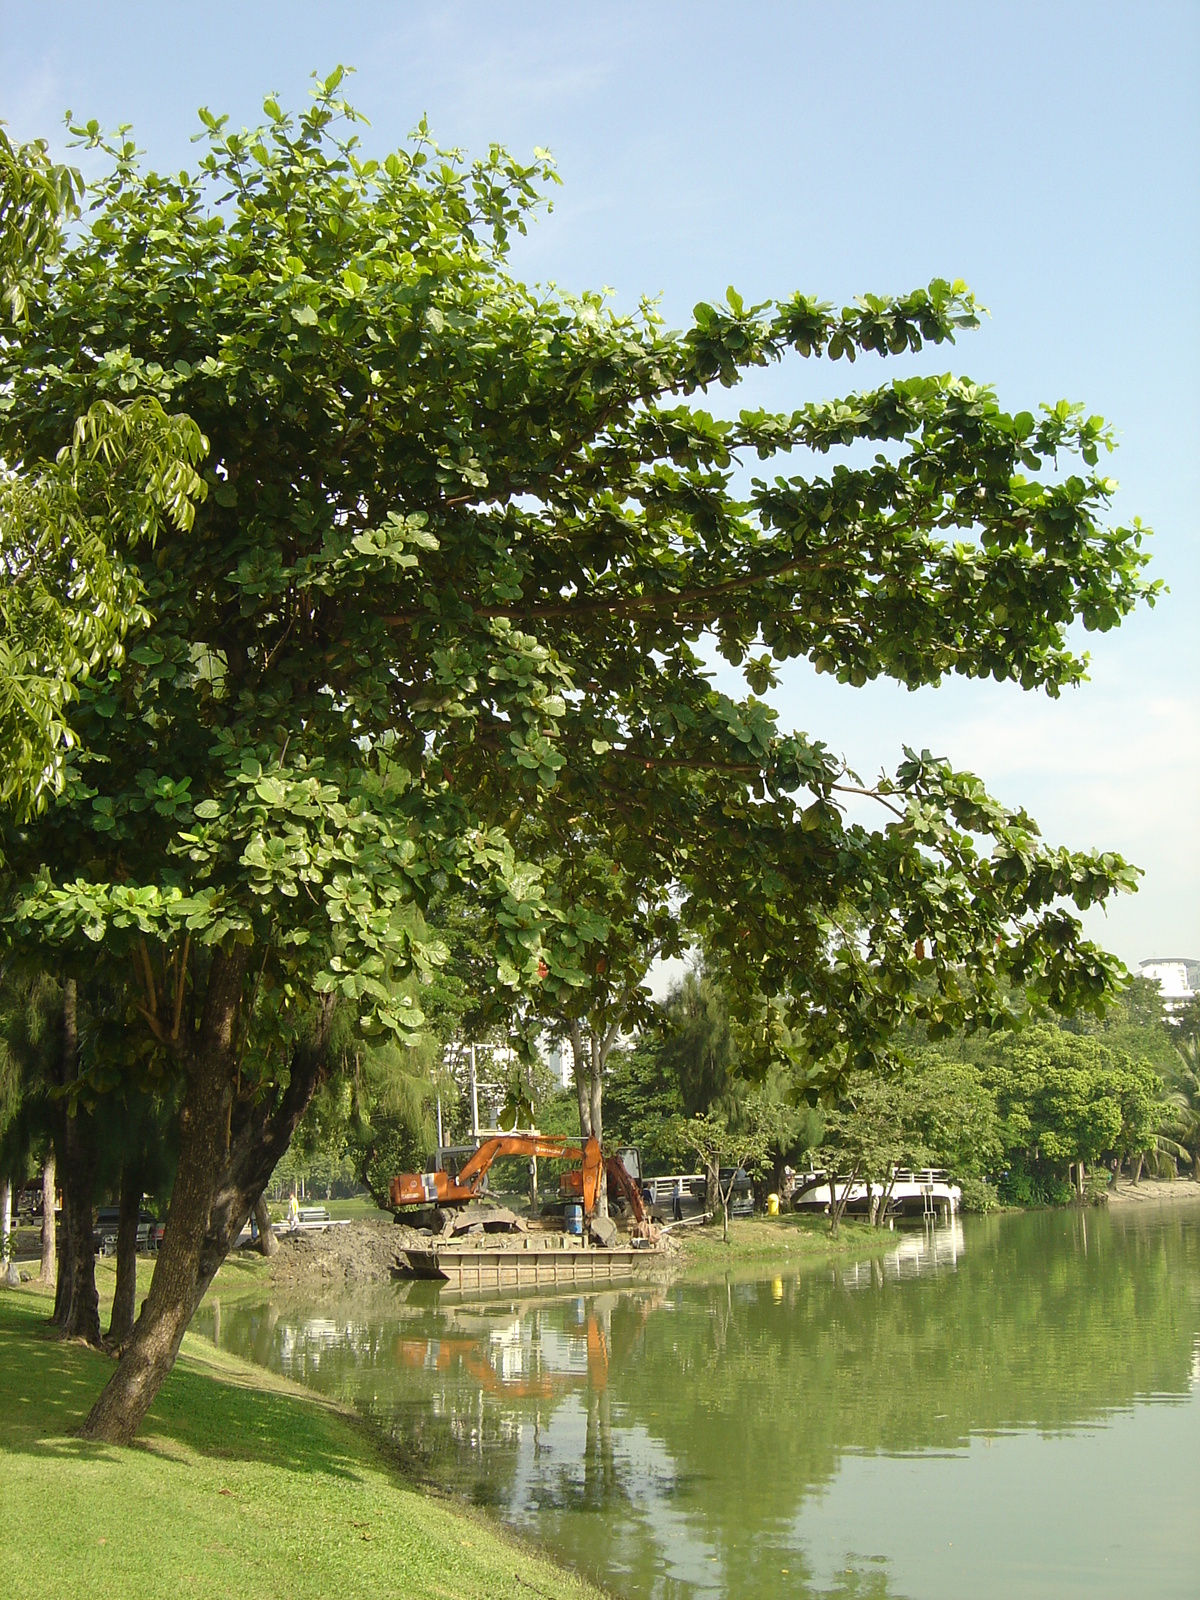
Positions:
(1171, 975)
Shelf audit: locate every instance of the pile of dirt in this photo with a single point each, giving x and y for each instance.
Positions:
(360, 1252)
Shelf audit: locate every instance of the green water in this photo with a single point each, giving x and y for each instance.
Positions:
(1008, 1409)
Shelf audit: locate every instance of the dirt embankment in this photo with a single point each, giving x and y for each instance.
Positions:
(359, 1252)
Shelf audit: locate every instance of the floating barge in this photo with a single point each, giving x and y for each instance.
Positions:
(531, 1265)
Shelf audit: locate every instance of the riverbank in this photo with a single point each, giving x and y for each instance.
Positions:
(242, 1486)
(1154, 1191)
(795, 1238)
(364, 1252)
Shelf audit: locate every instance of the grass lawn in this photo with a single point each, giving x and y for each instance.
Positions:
(242, 1487)
(360, 1205)
(798, 1238)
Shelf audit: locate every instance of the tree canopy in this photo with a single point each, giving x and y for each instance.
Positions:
(462, 544)
(67, 596)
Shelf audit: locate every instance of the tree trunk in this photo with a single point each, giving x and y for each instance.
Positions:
(712, 1185)
(125, 1295)
(62, 1287)
(596, 1096)
(175, 1289)
(588, 1092)
(48, 1245)
(267, 1242)
(227, 1153)
(596, 1088)
(885, 1200)
(81, 1309)
(838, 1207)
(582, 1080)
(590, 1052)
(6, 1224)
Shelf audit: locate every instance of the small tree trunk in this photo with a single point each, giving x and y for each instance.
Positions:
(81, 1311)
(712, 1185)
(267, 1242)
(48, 1243)
(838, 1207)
(125, 1295)
(596, 1097)
(6, 1228)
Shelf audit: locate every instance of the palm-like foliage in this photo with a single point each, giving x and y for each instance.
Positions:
(1182, 1101)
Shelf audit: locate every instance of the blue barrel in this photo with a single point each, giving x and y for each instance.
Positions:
(573, 1219)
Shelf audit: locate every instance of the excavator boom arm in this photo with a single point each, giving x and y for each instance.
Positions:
(619, 1179)
(546, 1147)
(439, 1188)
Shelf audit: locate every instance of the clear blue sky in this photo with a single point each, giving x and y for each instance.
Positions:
(1048, 153)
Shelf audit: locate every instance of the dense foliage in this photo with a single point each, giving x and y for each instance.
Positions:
(460, 544)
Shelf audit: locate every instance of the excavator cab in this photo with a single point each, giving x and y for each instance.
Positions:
(451, 1158)
(631, 1160)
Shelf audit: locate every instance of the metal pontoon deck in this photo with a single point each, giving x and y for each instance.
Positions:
(534, 1266)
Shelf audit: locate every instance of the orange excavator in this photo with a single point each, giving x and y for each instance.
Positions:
(448, 1190)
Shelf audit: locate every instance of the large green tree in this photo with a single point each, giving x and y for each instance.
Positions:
(462, 542)
(1067, 1101)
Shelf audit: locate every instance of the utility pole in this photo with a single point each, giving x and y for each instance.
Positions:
(441, 1141)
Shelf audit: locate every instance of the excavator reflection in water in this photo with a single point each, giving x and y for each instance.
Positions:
(516, 1358)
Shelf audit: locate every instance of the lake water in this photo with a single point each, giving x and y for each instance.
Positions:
(1009, 1407)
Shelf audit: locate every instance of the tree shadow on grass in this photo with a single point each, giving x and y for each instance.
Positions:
(48, 1385)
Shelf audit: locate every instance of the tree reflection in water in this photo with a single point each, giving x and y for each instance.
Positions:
(666, 1438)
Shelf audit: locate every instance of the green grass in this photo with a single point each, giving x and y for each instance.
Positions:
(360, 1205)
(242, 1487)
(796, 1238)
